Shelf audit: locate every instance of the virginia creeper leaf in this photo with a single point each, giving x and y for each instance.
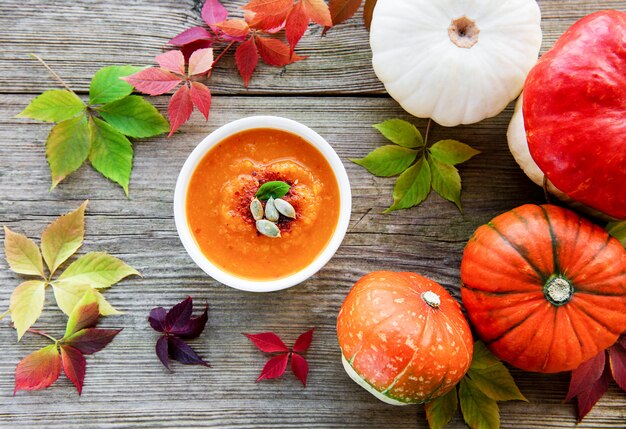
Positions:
(134, 116)
(179, 315)
(106, 309)
(412, 187)
(162, 351)
(106, 85)
(268, 7)
(482, 357)
(342, 10)
(38, 370)
(452, 152)
(98, 270)
(173, 61)
(180, 351)
(497, 383)
(318, 11)
(55, 105)
(303, 342)
(74, 366)
(296, 25)
(274, 189)
(191, 35)
(400, 132)
(213, 12)
(446, 181)
(67, 147)
(180, 108)
(275, 53)
(618, 230)
(479, 410)
(588, 398)
(26, 305)
(300, 367)
(200, 61)
(268, 23)
(153, 81)
(268, 342)
(111, 153)
(67, 295)
(274, 368)
(586, 375)
(368, 13)
(157, 319)
(194, 327)
(201, 97)
(62, 238)
(440, 410)
(91, 340)
(22, 254)
(84, 314)
(235, 29)
(617, 356)
(247, 58)
(386, 161)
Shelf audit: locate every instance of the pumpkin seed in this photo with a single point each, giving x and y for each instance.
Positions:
(284, 208)
(256, 208)
(270, 210)
(267, 228)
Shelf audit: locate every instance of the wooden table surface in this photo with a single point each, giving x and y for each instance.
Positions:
(336, 93)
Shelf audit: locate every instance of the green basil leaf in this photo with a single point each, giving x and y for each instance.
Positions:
(479, 410)
(111, 153)
(618, 230)
(56, 105)
(412, 187)
(440, 410)
(497, 383)
(135, 117)
(482, 357)
(387, 160)
(106, 85)
(446, 181)
(452, 152)
(67, 147)
(401, 132)
(274, 189)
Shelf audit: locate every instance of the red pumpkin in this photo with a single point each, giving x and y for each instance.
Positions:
(544, 288)
(403, 337)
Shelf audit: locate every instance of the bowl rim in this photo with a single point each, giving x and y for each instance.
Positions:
(208, 143)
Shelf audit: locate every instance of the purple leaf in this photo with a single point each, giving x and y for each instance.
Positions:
(180, 351)
(213, 12)
(617, 357)
(300, 367)
(622, 341)
(91, 340)
(179, 315)
(194, 327)
(191, 35)
(588, 398)
(274, 368)
(303, 342)
(586, 374)
(157, 319)
(162, 351)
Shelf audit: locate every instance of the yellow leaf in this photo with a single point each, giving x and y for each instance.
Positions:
(22, 254)
(97, 269)
(63, 237)
(26, 305)
(68, 295)
(106, 309)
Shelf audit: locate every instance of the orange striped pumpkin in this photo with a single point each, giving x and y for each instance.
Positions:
(544, 288)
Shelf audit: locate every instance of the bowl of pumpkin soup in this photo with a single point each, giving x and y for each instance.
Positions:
(262, 203)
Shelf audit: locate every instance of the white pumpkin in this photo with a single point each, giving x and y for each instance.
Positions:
(455, 61)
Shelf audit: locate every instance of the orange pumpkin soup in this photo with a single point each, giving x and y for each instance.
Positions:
(224, 184)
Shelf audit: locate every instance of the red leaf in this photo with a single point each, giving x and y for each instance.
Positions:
(191, 35)
(297, 23)
(268, 7)
(275, 53)
(274, 368)
(588, 398)
(200, 61)
(247, 58)
(318, 11)
(153, 81)
(213, 12)
(617, 358)
(268, 342)
(267, 15)
(586, 374)
(300, 367)
(189, 49)
(173, 61)
(195, 325)
(341, 10)
(38, 370)
(162, 351)
(180, 108)
(91, 340)
(303, 342)
(235, 29)
(74, 366)
(157, 319)
(258, 21)
(622, 341)
(368, 13)
(180, 351)
(179, 315)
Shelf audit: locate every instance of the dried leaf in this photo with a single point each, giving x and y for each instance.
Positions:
(274, 368)
(55, 105)
(74, 366)
(173, 61)
(201, 97)
(275, 53)
(106, 85)
(67, 147)
(111, 153)
(387, 161)
(247, 58)
(22, 254)
(180, 351)
(26, 305)
(200, 61)
(586, 375)
(180, 108)
(440, 410)
(268, 342)
(300, 367)
(38, 370)
(303, 342)
(63, 237)
(191, 35)
(153, 81)
(213, 12)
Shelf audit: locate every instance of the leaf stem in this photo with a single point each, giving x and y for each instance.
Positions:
(56, 76)
(3, 315)
(219, 57)
(43, 334)
(427, 132)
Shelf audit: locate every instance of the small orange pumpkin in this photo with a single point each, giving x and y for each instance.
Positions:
(403, 337)
(544, 288)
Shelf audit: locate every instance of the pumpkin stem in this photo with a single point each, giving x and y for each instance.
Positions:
(558, 290)
(463, 32)
(432, 299)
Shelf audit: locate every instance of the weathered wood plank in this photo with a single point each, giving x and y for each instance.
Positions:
(79, 37)
(126, 386)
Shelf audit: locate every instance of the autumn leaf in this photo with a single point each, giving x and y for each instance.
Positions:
(180, 108)
(200, 62)
(234, 29)
(368, 13)
(63, 237)
(268, 15)
(275, 53)
(440, 411)
(303, 342)
(274, 367)
(247, 58)
(191, 35)
(23, 255)
(342, 10)
(38, 370)
(201, 97)
(213, 12)
(299, 367)
(172, 61)
(301, 14)
(26, 305)
(67, 147)
(268, 342)
(154, 81)
(479, 410)
(97, 269)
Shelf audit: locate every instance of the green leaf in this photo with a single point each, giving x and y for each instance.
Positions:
(275, 189)
(111, 153)
(452, 152)
(482, 357)
(497, 383)
(618, 230)
(106, 85)
(26, 305)
(22, 254)
(446, 181)
(98, 270)
(67, 147)
(401, 132)
(388, 160)
(55, 105)
(440, 410)
(135, 117)
(479, 410)
(63, 237)
(412, 187)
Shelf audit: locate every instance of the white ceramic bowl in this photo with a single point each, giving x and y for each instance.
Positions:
(205, 146)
